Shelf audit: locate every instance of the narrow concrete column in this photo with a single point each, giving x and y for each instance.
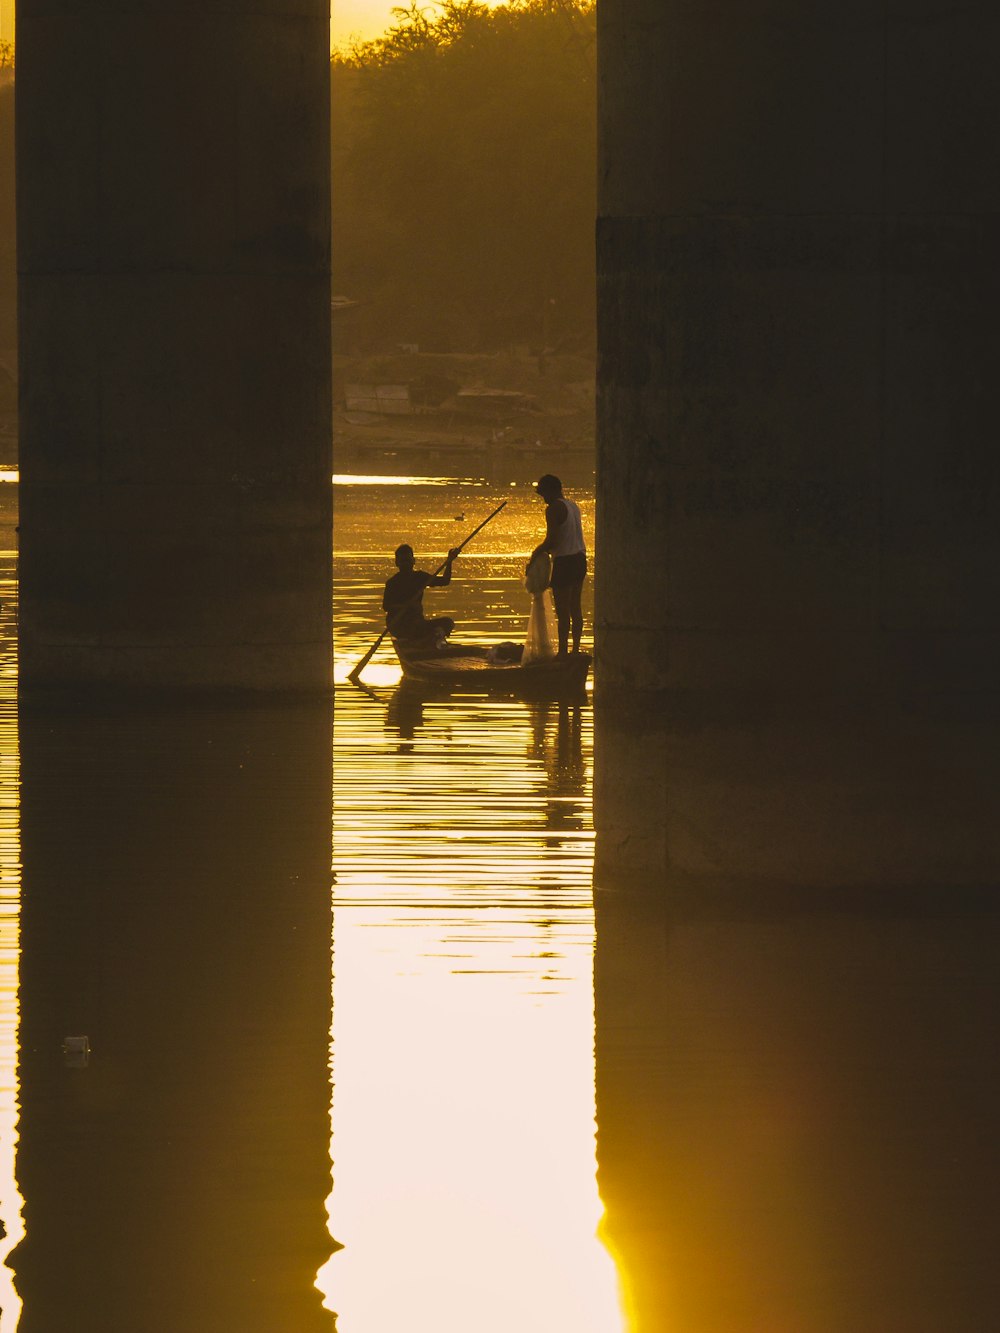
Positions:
(799, 220)
(173, 232)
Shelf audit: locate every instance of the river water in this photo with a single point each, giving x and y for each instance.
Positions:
(790, 1124)
(223, 1159)
(464, 1148)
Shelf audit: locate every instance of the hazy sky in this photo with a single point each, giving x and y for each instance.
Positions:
(362, 18)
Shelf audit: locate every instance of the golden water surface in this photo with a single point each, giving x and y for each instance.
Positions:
(463, 1110)
(464, 1190)
(795, 1104)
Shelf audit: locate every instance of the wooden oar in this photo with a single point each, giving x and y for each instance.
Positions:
(353, 675)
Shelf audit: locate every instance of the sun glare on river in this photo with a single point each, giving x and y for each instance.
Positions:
(464, 1155)
(464, 1164)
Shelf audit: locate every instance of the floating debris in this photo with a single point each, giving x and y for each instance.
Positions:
(76, 1052)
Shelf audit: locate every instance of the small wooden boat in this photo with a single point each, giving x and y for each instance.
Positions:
(474, 667)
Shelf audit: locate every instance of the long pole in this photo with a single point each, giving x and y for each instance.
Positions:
(356, 672)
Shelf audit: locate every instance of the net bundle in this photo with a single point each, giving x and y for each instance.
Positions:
(539, 638)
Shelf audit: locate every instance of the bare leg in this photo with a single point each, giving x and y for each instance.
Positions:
(576, 613)
(562, 597)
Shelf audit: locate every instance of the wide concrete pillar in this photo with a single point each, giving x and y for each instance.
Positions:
(798, 293)
(799, 486)
(175, 420)
(798, 629)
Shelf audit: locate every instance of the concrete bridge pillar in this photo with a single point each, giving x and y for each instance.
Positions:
(798, 224)
(799, 485)
(798, 623)
(173, 233)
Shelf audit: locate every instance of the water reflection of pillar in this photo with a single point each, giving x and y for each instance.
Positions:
(797, 1089)
(176, 911)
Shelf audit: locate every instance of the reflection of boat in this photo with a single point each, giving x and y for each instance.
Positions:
(472, 666)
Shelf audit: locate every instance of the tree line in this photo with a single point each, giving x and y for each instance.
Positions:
(8, 249)
(464, 176)
(463, 170)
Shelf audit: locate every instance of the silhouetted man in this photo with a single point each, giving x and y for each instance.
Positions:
(402, 602)
(564, 542)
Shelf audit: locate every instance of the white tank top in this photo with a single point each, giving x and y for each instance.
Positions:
(569, 534)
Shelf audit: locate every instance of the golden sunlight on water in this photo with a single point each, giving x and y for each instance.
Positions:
(797, 1101)
(486, 596)
(464, 1161)
(10, 886)
(375, 479)
(465, 1191)
(463, 1111)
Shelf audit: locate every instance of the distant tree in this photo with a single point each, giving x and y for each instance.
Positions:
(464, 171)
(464, 167)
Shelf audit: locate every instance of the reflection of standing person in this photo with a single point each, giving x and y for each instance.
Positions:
(560, 750)
(564, 542)
(405, 715)
(403, 600)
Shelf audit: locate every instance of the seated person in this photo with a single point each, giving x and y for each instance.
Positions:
(402, 602)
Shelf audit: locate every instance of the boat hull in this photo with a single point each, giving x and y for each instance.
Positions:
(471, 668)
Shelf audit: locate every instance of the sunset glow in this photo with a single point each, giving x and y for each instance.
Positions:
(352, 20)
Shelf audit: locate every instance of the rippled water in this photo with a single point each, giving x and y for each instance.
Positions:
(463, 1113)
(486, 596)
(463, 1135)
(795, 1089)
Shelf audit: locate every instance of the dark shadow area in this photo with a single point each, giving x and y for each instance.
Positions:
(177, 914)
(797, 1009)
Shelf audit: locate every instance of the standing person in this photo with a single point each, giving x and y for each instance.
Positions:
(403, 601)
(564, 542)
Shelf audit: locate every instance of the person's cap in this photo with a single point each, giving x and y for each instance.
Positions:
(548, 483)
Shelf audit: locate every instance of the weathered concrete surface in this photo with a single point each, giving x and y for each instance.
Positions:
(176, 910)
(175, 421)
(797, 322)
(694, 792)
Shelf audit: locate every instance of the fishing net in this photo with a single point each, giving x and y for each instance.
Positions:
(539, 640)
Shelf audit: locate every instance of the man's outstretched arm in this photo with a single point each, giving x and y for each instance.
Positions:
(442, 580)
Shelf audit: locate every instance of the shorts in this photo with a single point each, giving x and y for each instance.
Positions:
(569, 569)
